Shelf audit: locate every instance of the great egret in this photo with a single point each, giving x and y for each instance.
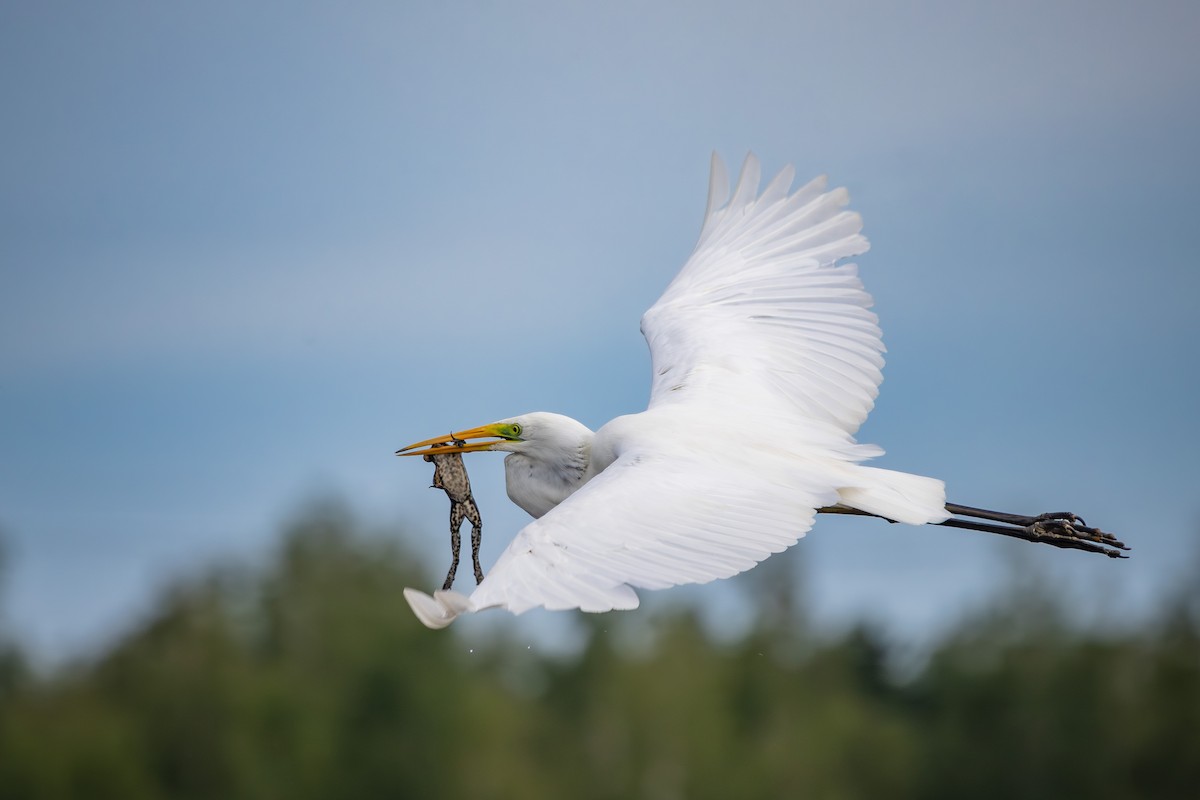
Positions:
(765, 362)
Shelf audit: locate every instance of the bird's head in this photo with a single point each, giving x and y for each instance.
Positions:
(528, 433)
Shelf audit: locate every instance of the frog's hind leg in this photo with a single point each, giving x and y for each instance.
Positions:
(456, 520)
(476, 536)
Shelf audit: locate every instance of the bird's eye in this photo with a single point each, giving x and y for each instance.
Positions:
(516, 430)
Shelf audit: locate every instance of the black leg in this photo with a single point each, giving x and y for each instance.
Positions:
(1055, 527)
(1011, 519)
(1059, 529)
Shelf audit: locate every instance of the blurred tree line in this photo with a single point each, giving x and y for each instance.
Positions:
(309, 678)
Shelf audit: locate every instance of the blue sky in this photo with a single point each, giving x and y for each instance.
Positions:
(247, 251)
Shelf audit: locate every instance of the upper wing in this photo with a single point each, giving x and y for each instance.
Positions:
(650, 520)
(762, 304)
(761, 317)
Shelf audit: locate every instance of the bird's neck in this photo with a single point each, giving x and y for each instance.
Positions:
(537, 483)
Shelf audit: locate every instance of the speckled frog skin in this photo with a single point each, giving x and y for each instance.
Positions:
(450, 475)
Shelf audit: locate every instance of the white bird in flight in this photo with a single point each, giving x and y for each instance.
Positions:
(766, 359)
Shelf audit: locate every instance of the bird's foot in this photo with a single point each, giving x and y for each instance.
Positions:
(1064, 529)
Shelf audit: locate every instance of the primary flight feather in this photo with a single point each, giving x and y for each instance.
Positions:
(766, 359)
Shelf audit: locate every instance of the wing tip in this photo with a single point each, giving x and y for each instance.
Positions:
(438, 611)
(718, 186)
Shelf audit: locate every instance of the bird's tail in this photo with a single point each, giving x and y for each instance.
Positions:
(898, 496)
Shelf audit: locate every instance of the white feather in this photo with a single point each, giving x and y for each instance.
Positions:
(766, 359)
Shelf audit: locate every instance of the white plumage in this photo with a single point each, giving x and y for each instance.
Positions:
(766, 359)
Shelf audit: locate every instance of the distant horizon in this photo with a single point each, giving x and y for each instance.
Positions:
(726, 610)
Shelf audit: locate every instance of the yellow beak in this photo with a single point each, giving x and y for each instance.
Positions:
(456, 442)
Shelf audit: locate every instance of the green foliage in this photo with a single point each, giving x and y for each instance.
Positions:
(309, 678)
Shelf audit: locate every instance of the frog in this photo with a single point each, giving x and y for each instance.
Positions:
(450, 475)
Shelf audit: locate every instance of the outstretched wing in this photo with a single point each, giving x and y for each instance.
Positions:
(762, 329)
(648, 521)
(762, 304)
